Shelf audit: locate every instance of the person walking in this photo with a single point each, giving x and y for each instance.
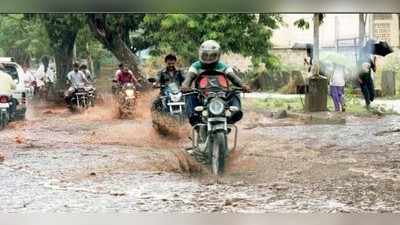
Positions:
(336, 86)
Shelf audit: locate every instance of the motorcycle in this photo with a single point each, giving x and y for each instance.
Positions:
(5, 102)
(210, 136)
(82, 98)
(42, 89)
(127, 100)
(172, 100)
(169, 109)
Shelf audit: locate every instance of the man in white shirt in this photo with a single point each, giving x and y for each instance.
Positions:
(336, 84)
(29, 78)
(76, 79)
(44, 74)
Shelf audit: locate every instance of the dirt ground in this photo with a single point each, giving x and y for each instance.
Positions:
(56, 161)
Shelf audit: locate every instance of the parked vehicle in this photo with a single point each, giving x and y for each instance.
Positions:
(17, 74)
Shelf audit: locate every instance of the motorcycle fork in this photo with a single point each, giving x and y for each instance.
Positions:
(195, 138)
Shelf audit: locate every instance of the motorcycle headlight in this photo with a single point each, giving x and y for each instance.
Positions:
(129, 93)
(217, 106)
(176, 97)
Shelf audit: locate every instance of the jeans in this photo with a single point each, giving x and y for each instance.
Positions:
(337, 94)
(194, 117)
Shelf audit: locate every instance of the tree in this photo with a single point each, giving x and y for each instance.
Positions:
(318, 19)
(62, 30)
(247, 34)
(89, 48)
(316, 98)
(113, 31)
(22, 38)
(361, 28)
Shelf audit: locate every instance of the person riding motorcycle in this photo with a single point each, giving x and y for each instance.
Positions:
(7, 85)
(29, 79)
(44, 74)
(169, 73)
(84, 69)
(209, 63)
(166, 76)
(75, 79)
(125, 76)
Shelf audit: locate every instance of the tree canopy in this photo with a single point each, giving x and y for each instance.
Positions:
(247, 34)
(16, 32)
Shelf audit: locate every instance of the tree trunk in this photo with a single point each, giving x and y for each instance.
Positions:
(361, 28)
(64, 56)
(113, 41)
(20, 56)
(121, 51)
(316, 22)
(316, 93)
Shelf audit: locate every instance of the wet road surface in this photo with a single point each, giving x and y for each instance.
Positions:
(93, 162)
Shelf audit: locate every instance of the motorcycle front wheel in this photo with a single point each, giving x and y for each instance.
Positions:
(218, 149)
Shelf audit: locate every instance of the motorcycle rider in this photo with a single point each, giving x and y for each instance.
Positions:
(166, 76)
(7, 85)
(44, 74)
(29, 78)
(209, 61)
(86, 71)
(76, 79)
(115, 87)
(169, 73)
(120, 67)
(126, 76)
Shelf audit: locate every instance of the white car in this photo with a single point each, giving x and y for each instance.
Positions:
(17, 74)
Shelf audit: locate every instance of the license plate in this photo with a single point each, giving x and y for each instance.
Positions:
(4, 105)
(176, 103)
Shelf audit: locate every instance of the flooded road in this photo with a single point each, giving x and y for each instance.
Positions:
(56, 161)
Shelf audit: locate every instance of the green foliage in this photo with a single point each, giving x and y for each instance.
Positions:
(247, 34)
(305, 25)
(61, 28)
(123, 26)
(87, 45)
(302, 24)
(17, 31)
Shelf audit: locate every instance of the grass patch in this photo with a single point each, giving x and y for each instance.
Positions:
(296, 104)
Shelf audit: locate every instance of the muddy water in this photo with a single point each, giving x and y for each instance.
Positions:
(57, 161)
